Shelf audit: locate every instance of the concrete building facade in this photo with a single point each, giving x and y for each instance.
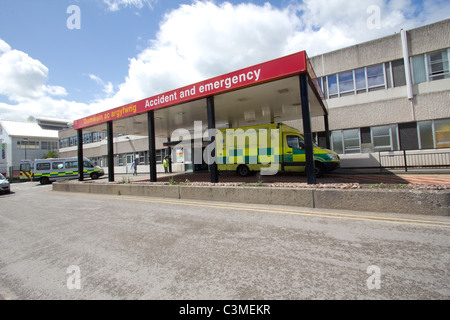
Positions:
(389, 94)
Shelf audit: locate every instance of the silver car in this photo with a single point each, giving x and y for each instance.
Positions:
(4, 185)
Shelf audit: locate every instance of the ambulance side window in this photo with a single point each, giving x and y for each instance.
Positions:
(71, 164)
(43, 166)
(57, 165)
(295, 142)
(87, 164)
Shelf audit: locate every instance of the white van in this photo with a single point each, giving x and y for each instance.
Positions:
(48, 170)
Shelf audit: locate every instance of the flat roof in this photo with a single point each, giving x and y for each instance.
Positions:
(263, 93)
(21, 129)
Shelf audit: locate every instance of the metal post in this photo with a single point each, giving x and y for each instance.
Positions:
(327, 132)
(379, 159)
(80, 155)
(212, 125)
(152, 145)
(169, 152)
(404, 158)
(307, 133)
(110, 138)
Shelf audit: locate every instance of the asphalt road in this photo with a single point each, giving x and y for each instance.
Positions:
(78, 246)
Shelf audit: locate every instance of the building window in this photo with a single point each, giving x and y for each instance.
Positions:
(332, 86)
(431, 66)
(442, 132)
(319, 81)
(352, 141)
(64, 143)
(438, 65)
(426, 136)
(355, 81)
(375, 77)
(87, 138)
(360, 80)
(49, 145)
(28, 144)
(336, 141)
(398, 73)
(121, 158)
(434, 134)
(142, 157)
(159, 155)
(385, 138)
(418, 69)
(73, 141)
(346, 141)
(98, 136)
(346, 84)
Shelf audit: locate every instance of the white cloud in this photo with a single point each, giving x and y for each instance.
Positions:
(108, 87)
(22, 77)
(115, 5)
(4, 47)
(205, 39)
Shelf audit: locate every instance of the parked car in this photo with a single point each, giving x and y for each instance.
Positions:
(4, 184)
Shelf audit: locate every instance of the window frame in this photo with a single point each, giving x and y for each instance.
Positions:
(352, 80)
(428, 63)
(383, 76)
(392, 146)
(342, 141)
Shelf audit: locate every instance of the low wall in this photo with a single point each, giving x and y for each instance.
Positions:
(424, 202)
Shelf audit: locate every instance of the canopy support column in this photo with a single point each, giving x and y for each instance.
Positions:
(307, 133)
(80, 155)
(152, 145)
(110, 148)
(212, 138)
(327, 132)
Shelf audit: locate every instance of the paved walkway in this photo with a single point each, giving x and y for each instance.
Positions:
(440, 178)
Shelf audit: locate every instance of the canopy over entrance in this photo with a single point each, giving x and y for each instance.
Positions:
(274, 91)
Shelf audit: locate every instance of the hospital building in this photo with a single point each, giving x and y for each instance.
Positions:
(383, 97)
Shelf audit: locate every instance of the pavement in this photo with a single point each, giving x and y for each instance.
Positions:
(435, 177)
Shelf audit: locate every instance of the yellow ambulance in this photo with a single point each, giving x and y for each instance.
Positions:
(269, 148)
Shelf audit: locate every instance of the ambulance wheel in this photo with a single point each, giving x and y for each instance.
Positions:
(44, 180)
(94, 176)
(319, 169)
(243, 171)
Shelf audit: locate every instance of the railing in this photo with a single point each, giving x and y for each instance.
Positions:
(411, 159)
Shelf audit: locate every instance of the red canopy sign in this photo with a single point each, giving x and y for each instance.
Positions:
(268, 71)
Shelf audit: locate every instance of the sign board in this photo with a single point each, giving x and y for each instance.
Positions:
(268, 71)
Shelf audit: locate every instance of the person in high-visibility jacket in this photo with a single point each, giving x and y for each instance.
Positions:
(166, 164)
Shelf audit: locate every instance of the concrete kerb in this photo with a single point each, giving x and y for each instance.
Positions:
(425, 202)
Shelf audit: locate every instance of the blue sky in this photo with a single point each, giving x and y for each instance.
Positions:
(127, 50)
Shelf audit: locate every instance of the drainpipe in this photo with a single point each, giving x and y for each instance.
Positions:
(409, 89)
